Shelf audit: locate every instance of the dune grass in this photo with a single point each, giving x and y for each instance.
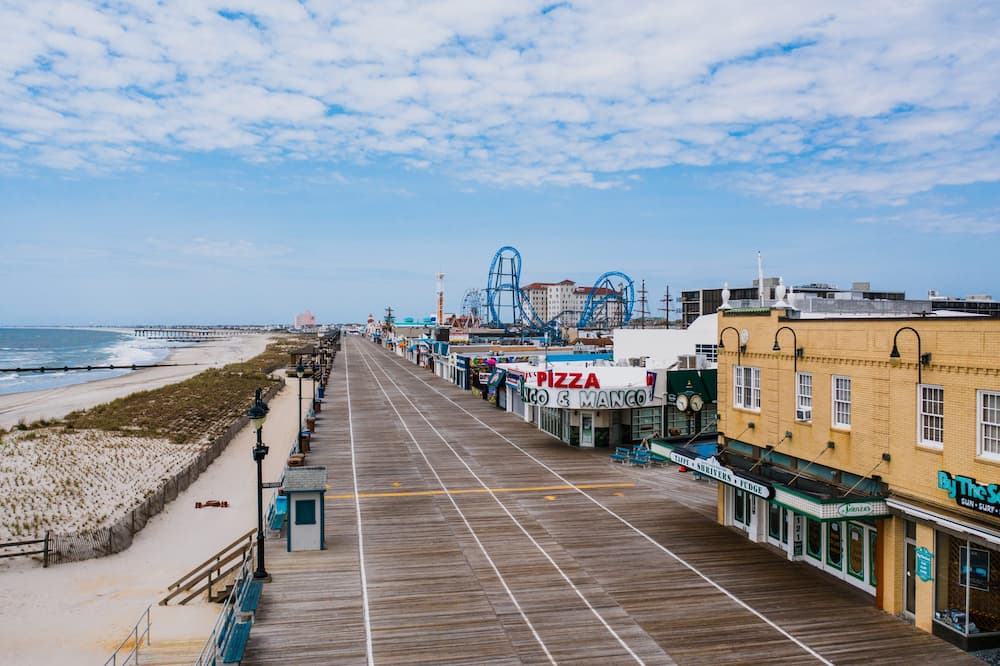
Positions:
(196, 409)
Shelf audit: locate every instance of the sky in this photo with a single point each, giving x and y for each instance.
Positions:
(210, 162)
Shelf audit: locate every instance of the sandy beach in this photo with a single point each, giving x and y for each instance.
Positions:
(78, 612)
(56, 403)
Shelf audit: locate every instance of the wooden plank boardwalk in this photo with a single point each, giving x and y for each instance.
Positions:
(511, 566)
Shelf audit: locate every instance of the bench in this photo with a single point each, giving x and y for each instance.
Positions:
(640, 457)
(620, 455)
(251, 597)
(278, 512)
(236, 642)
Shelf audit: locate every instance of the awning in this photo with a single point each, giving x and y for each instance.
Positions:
(496, 378)
(950, 523)
(830, 509)
(692, 381)
(711, 467)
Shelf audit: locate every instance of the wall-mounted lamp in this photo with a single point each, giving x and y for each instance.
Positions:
(799, 351)
(740, 348)
(886, 457)
(925, 359)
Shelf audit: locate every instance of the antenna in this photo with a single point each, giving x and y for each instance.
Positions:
(760, 279)
(440, 294)
(642, 305)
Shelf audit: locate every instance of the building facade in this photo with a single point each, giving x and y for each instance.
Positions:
(869, 447)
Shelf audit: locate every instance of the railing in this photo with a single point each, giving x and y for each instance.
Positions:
(136, 638)
(209, 655)
(210, 571)
(44, 552)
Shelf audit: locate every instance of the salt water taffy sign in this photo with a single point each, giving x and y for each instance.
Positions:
(969, 494)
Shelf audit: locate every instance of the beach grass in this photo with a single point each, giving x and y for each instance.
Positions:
(196, 409)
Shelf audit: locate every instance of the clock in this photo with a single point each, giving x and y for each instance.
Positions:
(744, 336)
(696, 402)
(682, 402)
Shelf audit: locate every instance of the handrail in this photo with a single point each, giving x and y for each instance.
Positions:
(136, 638)
(209, 569)
(210, 650)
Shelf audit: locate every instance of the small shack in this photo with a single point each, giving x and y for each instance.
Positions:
(305, 488)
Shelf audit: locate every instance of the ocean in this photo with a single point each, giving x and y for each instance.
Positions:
(60, 347)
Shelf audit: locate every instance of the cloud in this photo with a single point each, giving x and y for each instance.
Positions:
(927, 221)
(804, 103)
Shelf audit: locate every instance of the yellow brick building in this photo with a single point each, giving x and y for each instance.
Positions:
(869, 448)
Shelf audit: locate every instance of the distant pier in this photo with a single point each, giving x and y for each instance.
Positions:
(188, 334)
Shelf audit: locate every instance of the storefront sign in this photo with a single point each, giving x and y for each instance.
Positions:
(924, 569)
(971, 495)
(856, 510)
(572, 380)
(600, 399)
(711, 467)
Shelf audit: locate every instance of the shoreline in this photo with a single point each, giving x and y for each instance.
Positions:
(55, 403)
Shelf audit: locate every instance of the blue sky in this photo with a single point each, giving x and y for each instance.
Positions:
(238, 162)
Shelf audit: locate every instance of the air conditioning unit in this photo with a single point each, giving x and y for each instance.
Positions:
(803, 415)
(687, 362)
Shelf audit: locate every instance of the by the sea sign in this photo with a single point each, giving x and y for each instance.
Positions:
(970, 494)
(924, 557)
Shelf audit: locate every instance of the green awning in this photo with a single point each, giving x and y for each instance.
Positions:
(693, 381)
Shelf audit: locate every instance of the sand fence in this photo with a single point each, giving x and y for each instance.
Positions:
(117, 535)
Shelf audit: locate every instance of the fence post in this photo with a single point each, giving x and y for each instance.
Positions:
(45, 551)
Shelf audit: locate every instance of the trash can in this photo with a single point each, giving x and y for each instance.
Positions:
(304, 438)
(311, 423)
(321, 391)
(317, 406)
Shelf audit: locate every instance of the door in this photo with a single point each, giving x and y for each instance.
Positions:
(910, 588)
(586, 429)
(777, 525)
(742, 509)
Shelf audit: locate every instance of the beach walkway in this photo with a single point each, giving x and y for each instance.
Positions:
(456, 533)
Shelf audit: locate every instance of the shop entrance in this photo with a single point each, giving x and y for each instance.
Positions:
(743, 509)
(777, 525)
(586, 429)
(910, 587)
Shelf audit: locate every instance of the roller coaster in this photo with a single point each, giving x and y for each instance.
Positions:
(609, 302)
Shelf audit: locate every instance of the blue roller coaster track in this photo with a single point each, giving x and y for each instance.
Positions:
(609, 302)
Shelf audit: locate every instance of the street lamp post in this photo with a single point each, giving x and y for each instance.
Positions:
(795, 346)
(299, 371)
(922, 359)
(257, 416)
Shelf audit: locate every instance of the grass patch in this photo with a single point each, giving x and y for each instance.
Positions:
(196, 409)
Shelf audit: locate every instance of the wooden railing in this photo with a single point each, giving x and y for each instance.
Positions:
(211, 571)
(43, 551)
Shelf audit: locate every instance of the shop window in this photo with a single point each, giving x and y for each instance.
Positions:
(803, 396)
(834, 546)
(739, 507)
(841, 401)
(988, 426)
(646, 421)
(856, 551)
(814, 538)
(965, 602)
(930, 418)
(746, 387)
(872, 539)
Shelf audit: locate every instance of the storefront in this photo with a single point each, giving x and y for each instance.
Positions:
(952, 560)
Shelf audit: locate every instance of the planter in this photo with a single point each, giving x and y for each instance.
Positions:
(304, 438)
(311, 423)
(317, 406)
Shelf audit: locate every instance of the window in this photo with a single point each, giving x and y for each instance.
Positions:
(710, 352)
(988, 425)
(746, 387)
(646, 421)
(305, 512)
(841, 401)
(930, 419)
(803, 396)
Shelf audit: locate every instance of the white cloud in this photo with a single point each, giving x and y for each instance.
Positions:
(928, 221)
(811, 102)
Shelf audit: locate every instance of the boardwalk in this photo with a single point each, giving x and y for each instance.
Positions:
(457, 534)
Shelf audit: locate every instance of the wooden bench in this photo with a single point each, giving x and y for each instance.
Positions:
(279, 510)
(250, 598)
(620, 455)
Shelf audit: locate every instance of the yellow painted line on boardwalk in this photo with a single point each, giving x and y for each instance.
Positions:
(468, 491)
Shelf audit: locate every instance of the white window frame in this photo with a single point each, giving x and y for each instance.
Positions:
(746, 385)
(930, 420)
(803, 399)
(982, 424)
(834, 401)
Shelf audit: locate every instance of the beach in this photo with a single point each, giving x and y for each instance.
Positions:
(78, 612)
(57, 402)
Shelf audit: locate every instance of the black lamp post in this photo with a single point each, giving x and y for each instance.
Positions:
(795, 344)
(924, 359)
(740, 346)
(299, 372)
(257, 416)
(315, 369)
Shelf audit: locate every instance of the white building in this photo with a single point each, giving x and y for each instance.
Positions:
(694, 347)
